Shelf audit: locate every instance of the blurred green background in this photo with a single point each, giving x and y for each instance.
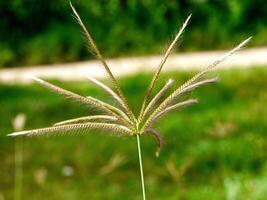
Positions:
(214, 150)
(42, 32)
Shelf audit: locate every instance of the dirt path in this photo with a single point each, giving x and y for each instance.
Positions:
(128, 66)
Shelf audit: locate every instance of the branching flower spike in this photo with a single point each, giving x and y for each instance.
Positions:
(119, 119)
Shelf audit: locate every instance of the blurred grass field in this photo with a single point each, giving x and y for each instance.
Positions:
(214, 150)
(34, 33)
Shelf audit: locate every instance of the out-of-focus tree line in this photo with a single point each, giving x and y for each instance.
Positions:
(38, 32)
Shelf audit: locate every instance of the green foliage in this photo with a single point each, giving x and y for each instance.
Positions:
(45, 32)
(223, 140)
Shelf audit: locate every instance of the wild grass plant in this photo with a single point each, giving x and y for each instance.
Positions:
(18, 125)
(120, 120)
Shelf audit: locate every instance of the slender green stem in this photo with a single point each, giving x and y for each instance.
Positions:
(141, 167)
(18, 168)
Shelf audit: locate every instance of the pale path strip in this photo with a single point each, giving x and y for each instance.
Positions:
(133, 65)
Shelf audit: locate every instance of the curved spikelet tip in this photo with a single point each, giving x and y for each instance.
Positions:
(90, 78)
(73, 9)
(189, 16)
(216, 79)
(36, 78)
(187, 20)
(17, 134)
(247, 40)
(170, 81)
(242, 44)
(71, 4)
(194, 101)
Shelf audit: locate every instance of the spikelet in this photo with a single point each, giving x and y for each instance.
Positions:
(75, 128)
(157, 97)
(116, 112)
(95, 103)
(158, 137)
(172, 96)
(173, 107)
(190, 88)
(99, 56)
(108, 90)
(215, 63)
(87, 101)
(87, 119)
(160, 66)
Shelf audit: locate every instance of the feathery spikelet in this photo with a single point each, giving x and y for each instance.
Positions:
(99, 56)
(158, 137)
(174, 107)
(215, 63)
(121, 120)
(157, 97)
(87, 119)
(95, 103)
(75, 128)
(159, 68)
(107, 89)
(87, 101)
(114, 111)
(178, 91)
(190, 88)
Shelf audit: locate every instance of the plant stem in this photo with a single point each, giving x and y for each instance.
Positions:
(18, 168)
(141, 167)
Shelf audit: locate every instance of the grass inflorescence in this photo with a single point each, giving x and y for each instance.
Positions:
(120, 119)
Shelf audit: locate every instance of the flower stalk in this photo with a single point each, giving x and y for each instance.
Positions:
(141, 167)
